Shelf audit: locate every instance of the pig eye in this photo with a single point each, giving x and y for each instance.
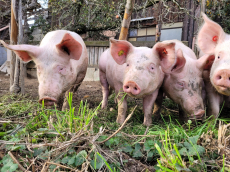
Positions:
(61, 70)
(127, 64)
(151, 67)
(218, 57)
(180, 86)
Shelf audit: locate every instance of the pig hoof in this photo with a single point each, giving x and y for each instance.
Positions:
(103, 107)
(120, 121)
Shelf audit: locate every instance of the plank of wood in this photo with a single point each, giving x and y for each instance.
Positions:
(92, 55)
(100, 51)
(87, 48)
(95, 62)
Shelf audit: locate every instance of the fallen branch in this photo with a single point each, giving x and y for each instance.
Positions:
(119, 128)
(16, 161)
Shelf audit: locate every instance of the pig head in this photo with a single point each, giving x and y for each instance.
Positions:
(213, 41)
(61, 61)
(183, 76)
(142, 73)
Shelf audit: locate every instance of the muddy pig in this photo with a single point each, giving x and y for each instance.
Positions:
(61, 61)
(183, 81)
(134, 70)
(214, 43)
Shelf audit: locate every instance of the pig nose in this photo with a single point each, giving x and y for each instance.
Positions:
(131, 87)
(222, 78)
(198, 115)
(48, 101)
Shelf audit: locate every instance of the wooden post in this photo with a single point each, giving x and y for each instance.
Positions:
(21, 41)
(14, 88)
(191, 24)
(126, 20)
(13, 40)
(186, 23)
(157, 34)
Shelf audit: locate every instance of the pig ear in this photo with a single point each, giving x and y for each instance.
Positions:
(205, 62)
(70, 46)
(168, 60)
(180, 61)
(119, 50)
(210, 35)
(24, 52)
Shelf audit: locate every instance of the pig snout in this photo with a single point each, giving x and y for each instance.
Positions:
(198, 115)
(131, 87)
(48, 101)
(221, 79)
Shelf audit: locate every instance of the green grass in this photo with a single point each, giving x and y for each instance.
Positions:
(167, 145)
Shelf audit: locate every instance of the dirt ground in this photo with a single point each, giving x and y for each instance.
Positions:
(90, 90)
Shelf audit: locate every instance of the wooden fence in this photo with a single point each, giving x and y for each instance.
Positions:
(96, 48)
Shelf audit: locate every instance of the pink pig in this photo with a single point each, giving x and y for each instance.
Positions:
(134, 70)
(214, 43)
(61, 61)
(183, 78)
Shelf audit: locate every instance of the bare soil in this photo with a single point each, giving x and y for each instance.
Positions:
(90, 90)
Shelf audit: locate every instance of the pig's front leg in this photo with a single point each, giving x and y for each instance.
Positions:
(213, 97)
(157, 105)
(214, 101)
(105, 89)
(122, 107)
(148, 102)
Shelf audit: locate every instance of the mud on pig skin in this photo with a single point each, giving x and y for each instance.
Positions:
(214, 44)
(61, 61)
(130, 69)
(183, 80)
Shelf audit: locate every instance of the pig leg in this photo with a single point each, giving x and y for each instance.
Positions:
(214, 101)
(122, 107)
(148, 102)
(157, 105)
(105, 89)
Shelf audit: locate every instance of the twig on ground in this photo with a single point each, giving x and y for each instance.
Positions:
(62, 166)
(119, 128)
(16, 161)
(32, 163)
(44, 167)
(176, 111)
(56, 168)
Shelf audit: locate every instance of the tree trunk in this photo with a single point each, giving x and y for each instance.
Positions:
(13, 40)
(14, 33)
(126, 20)
(21, 41)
